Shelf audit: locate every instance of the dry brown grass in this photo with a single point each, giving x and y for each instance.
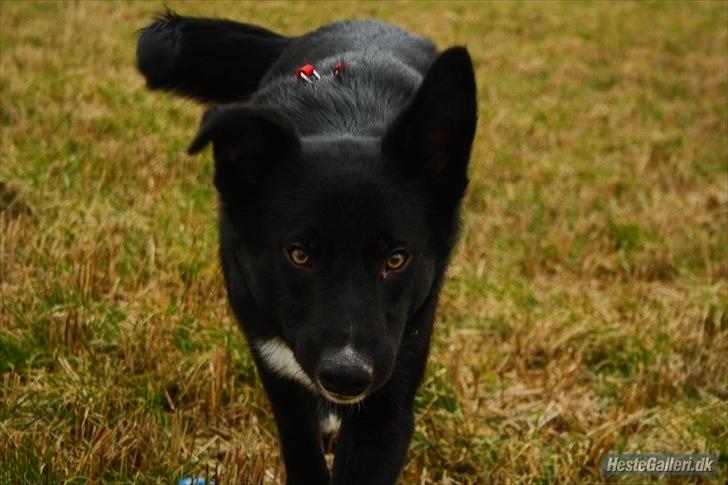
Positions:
(587, 306)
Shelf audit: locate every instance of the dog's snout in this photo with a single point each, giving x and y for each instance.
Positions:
(345, 374)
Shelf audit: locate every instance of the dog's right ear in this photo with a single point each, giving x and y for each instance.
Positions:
(247, 142)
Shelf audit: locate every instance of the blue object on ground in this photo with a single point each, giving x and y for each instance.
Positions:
(195, 481)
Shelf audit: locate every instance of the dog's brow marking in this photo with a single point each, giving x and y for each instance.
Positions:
(330, 424)
(280, 359)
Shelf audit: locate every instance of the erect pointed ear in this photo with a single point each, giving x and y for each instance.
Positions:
(433, 135)
(247, 143)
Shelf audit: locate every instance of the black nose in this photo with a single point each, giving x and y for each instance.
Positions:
(345, 373)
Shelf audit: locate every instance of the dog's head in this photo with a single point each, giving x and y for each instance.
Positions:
(342, 239)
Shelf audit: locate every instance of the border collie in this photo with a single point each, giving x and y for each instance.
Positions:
(341, 161)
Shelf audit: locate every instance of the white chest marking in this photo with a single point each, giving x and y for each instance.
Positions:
(330, 424)
(280, 359)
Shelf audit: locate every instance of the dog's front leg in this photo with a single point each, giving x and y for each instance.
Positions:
(296, 413)
(372, 445)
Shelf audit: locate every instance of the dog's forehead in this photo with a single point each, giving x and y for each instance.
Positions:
(347, 202)
(346, 174)
(332, 147)
(342, 190)
(359, 200)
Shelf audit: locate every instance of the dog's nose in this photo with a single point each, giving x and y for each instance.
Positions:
(345, 373)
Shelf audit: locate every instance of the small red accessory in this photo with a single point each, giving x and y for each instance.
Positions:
(305, 72)
(338, 67)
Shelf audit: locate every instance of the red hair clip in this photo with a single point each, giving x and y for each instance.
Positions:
(305, 72)
(338, 67)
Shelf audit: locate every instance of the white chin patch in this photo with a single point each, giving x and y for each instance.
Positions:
(280, 359)
(330, 424)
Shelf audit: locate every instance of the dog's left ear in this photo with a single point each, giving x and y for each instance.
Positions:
(433, 135)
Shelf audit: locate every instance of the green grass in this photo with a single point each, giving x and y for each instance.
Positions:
(586, 309)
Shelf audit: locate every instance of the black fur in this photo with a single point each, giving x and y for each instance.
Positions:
(207, 59)
(320, 185)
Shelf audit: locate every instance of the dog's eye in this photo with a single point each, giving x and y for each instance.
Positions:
(397, 259)
(298, 255)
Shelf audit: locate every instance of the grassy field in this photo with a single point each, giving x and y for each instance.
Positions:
(586, 309)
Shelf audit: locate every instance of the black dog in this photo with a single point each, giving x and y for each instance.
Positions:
(340, 169)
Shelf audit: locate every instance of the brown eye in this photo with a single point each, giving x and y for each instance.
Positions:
(298, 256)
(396, 260)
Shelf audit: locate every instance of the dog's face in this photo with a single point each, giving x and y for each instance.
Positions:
(342, 238)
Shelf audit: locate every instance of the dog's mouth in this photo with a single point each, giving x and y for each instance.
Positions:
(340, 398)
